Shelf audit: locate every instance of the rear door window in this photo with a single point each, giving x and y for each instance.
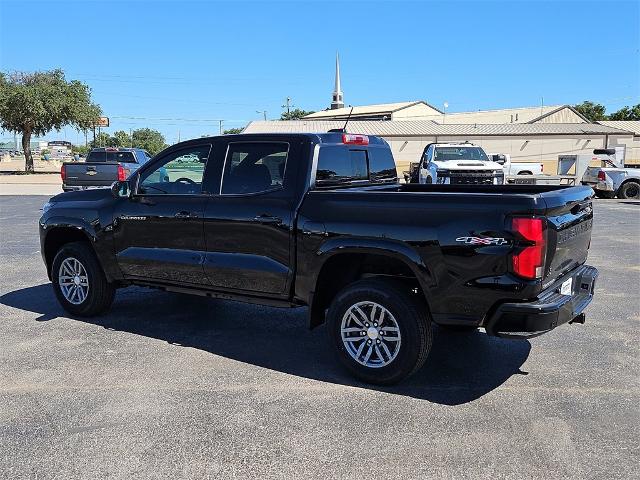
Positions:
(254, 167)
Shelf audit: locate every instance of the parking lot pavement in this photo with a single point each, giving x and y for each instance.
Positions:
(35, 184)
(170, 386)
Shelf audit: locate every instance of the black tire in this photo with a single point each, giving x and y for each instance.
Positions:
(459, 328)
(100, 292)
(408, 311)
(630, 191)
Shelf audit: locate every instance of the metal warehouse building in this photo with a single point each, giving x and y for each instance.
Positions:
(539, 142)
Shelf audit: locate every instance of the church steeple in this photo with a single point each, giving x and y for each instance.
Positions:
(336, 98)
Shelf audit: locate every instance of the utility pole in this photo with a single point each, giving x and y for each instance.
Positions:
(131, 137)
(220, 126)
(288, 105)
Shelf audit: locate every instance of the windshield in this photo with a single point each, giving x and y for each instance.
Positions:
(444, 154)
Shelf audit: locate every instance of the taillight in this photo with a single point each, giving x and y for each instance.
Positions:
(63, 172)
(529, 262)
(123, 173)
(602, 176)
(351, 139)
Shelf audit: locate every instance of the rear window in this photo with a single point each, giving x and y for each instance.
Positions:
(382, 165)
(339, 164)
(122, 157)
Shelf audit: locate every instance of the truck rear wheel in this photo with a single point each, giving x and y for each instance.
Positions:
(79, 282)
(380, 332)
(630, 190)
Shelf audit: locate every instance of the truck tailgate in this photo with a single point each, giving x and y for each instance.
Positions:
(570, 217)
(90, 174)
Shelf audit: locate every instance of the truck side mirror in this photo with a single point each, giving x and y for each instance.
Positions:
(121, 189)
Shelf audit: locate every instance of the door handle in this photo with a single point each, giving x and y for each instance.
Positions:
(185, 215)
(268, 220)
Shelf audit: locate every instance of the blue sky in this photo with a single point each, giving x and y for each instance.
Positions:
(180, 66)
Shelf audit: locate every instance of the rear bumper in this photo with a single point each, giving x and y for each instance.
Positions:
(550, 309)
(74, 188)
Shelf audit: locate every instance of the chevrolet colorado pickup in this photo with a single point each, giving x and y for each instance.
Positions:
(103, 166)
(320, 220)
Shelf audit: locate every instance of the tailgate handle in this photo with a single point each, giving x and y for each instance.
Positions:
(91, 168)
(580, 207)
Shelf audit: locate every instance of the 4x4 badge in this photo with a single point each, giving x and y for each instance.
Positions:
(482, 240)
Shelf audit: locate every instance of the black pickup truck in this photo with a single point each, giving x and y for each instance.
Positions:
(320, 220)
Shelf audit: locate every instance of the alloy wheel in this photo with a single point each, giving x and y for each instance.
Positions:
(370, 334)
(73, 280)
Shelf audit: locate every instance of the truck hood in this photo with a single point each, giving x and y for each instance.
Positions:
(91, 195)
(468, 165)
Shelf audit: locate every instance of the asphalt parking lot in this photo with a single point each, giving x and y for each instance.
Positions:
(171, 386)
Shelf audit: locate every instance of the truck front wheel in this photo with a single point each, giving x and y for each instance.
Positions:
(379, 330)
(79, 282)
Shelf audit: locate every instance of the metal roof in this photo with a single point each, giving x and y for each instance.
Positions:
(629, 125)
(422, 128)
(377, 109)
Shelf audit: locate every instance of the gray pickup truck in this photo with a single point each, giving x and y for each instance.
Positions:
(103, 167)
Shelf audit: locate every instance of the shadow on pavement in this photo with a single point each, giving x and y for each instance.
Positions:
(461, 367)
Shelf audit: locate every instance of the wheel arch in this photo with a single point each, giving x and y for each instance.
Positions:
(59, 235)
(626, 181)
(344, 264)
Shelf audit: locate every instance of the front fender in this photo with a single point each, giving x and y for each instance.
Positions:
(95, 233)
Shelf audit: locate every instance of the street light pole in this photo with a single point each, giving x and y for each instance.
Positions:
(264, 114)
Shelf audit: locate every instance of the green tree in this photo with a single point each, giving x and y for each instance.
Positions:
(295, 114)
(592, 111)
(626, 113)
(150, 140)
(80, 149)
(232, 131)
(36, 103)
(102, 139)
(120, 139)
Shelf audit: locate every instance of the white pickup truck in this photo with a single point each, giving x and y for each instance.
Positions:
(516, 168)
(609, 181)
(458, 164)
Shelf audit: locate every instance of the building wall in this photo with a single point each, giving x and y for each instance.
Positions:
(632, 144)
(543, 150)
(416, 112)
